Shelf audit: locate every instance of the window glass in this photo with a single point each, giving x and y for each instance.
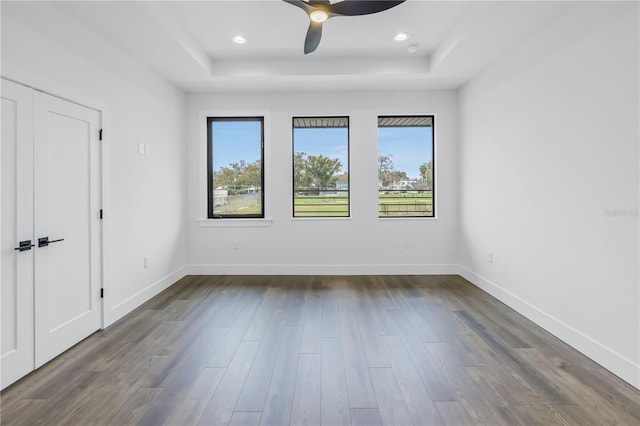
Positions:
(405, 166)
(321, 167)
(235, 173)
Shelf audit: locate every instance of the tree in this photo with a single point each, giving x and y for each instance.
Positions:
(300, 177)
(321, 170)
(397, 176)
(426, 172)
(385, 168)
(251, 175)
(238, 176)
(387, 172)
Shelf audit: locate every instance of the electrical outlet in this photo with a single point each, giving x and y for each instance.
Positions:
(407, 245)
(236, 245)
(146, 262)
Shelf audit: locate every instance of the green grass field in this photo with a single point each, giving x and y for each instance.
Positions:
(389, 205)
(407, 204)
(313, 206)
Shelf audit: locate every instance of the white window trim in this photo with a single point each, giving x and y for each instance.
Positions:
(203, 221)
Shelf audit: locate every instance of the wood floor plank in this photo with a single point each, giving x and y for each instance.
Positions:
(180, 374)
(260, 321)
(256, 386)
(227, 348)
(471, 397)
(306, 399)
(515, 362)
(334, 400)
(453, 413)
(361, 394)
(295, 309)
(245, 418)
(312, 323)
(62, 403)
(197, 397)
(224, 400)
(414, 393)
(367, 308)
(329, 315)
(536, 414)
(365, 417)
(569, 384)
(21, 411)
(131, 410)
(279, 401)
(393, 410)
(432, 376)
(371, 342)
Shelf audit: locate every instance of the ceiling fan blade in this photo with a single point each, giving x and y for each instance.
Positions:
(362, 7)
(314, 34)
(299, 3)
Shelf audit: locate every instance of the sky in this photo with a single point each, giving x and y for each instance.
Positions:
(234, 141)
(240, 140)
(330, 142)
(408, 146)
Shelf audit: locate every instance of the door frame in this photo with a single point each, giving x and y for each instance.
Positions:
(79, 98)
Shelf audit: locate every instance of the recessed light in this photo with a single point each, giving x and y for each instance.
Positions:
(412, 49)
(239, 39)
(401, 37)
(318, 16)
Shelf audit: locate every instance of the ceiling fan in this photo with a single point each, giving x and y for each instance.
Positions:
(321, 10)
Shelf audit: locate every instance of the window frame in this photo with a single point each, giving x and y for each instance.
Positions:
(210, 171)
(293, 154)
(433, 159)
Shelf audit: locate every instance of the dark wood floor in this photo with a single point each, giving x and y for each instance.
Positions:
(391, 350)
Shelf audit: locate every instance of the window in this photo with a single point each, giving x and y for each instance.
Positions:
(235, 176)
(321, 167)
(405, 166)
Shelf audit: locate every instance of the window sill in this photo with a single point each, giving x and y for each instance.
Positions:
(321, 218)
(394, 218)
(234, 223)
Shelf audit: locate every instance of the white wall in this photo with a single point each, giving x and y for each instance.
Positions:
(145, 200)
(359, 245)
(548, 178)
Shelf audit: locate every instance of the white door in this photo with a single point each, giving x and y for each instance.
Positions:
(16, 296)
(66, 205)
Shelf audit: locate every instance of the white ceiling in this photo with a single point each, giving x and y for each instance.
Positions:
(189, 42)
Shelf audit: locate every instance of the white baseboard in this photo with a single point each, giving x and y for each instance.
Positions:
(288, 269)
(123, 308)
(622, 367)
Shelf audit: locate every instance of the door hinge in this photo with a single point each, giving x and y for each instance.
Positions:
(100, 213)
(100, 135)
(102, 293)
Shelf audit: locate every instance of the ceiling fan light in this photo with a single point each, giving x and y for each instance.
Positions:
(318, 16)
(401, 37)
